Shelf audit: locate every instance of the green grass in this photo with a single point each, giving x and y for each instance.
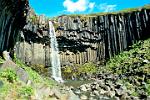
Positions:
(126, 58)
(1, 60)
(13, 88)
(78, 70)
(8, 74)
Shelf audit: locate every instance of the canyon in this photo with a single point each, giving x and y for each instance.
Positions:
(105, 54)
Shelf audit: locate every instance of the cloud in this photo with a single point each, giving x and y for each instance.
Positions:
(107, 8)
(78, 6)
(91, 5)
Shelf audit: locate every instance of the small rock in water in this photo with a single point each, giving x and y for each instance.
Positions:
(83, 97)
(60, 80)
(77, 91)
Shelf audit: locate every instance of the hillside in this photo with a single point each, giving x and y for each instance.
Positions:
(131, 68)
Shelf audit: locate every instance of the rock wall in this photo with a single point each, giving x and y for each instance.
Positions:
(83, 38)
(96, 38)
(12, 19)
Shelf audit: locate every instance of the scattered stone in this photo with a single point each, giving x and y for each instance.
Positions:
(51, 93)
(148, 97)
(64, 97)
(110, 93)
(146, 61)
(6, 55)
(91, 98)
(106, 88)
(124, 96)
(135, 98)
(57, 93)
(119, 92)
(83, 97)
(29, 82)
(96, 93)
(77, 91)
(72, 96)
(102, 91)
(91, 94)
(116, 98)
(83, 88)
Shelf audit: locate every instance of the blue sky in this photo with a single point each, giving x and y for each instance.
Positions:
(53, 8)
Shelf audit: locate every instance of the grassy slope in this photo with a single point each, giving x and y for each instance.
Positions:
(133, 66)
(12, 88)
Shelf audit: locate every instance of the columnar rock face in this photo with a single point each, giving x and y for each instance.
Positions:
(100, 37)
(12, 19)
(34, 47)
(84, 38)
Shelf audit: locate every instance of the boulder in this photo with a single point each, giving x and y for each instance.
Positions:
(83, 97)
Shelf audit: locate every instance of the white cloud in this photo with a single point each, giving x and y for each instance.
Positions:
(107, 8)
(91, 5)
(78, 6)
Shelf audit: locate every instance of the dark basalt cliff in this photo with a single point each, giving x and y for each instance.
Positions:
(83, 38)
(12, 20)
(97, 38)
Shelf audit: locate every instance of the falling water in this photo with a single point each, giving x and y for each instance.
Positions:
(55, 60)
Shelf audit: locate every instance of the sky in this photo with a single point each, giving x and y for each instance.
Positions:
(52, 8)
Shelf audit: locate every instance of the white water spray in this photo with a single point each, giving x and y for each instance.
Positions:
(55, 60)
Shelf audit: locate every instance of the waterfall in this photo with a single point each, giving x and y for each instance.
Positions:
(55, 59)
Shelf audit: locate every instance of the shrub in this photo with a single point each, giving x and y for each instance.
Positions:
(26, 91)
(9, 74)
(78, 71)
(88, 68)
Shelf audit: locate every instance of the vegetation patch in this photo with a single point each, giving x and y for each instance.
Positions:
(12, 88)
(79, 71)
(8, 74)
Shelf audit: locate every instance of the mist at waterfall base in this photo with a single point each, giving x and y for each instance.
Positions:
(55, 59)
